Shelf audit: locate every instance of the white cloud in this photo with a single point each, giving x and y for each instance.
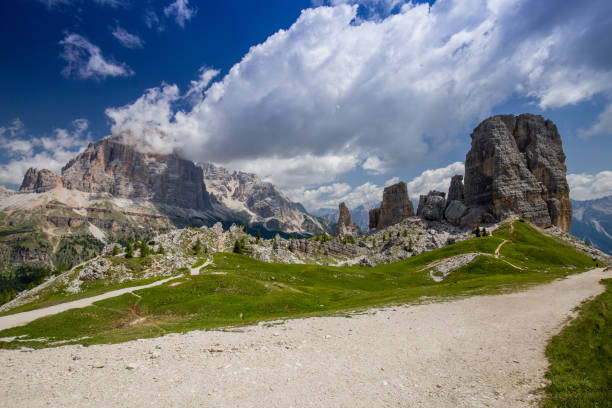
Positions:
(590, 186)
(304, 170)
(391, 181)
(85, 60)
(49, 152)
(398, 89)
(145, 124)
(181, 11)
(369, 194)
(152, 20)
(603, 126)
(437, 179)
(374, 165)
(329, 196)
(197, 87)
(127, 39)
(114, 3)
(111, 3)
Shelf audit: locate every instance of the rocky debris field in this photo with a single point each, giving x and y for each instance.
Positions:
(478, 351)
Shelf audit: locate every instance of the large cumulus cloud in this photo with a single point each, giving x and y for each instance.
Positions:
(383, 92)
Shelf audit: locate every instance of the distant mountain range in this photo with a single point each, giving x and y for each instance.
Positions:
(592, 222)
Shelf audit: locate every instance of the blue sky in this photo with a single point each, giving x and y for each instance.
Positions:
(329, 99)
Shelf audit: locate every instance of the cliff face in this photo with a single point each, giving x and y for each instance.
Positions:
(110, 167)
(395, 207)
(517, 166)
(39, 181)
(455, 191)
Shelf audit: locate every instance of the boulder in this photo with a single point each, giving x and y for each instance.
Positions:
(475, 217)
(431, 206)
(396, 206)
(516, 166)
(454, 211)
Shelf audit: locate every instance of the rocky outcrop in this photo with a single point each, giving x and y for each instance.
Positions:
(455, 191)
(108, 166)
(395, 207)
(39, 181)
(345, 225)
(516, 166)
(431, 206)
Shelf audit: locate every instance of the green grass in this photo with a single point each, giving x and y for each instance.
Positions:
(90, 288)
(238, 286)
(581, 358)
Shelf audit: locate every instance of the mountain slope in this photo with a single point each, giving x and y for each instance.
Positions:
(592, 222)
(258, 203)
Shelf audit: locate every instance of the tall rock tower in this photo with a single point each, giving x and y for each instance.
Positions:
(517, 166)
(395, 207)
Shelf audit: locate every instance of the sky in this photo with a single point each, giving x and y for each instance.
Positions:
(330, 100)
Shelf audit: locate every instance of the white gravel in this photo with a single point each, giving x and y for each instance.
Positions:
(474, 352)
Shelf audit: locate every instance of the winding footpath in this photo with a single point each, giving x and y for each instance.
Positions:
(473, 352)
(23, 318)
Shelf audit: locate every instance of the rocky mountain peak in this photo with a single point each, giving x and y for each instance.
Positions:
(396, 206)
(108, 166)
(258, 202)
(516, 166)
(39, 181)
(345, 225)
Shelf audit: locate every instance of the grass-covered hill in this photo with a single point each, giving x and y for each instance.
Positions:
(238, 290)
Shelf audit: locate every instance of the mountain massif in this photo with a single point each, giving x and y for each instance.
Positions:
(112, 192)
(592, 222)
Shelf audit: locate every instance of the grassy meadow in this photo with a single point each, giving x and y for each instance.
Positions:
(237, 290)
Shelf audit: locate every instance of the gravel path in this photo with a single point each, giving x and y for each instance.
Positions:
(474, 352)
(23, 318)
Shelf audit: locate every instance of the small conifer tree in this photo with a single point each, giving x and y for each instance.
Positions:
(237, 247)
(129, 250)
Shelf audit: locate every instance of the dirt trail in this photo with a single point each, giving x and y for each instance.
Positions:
(499, 248)
(20, 319)
(473, 352)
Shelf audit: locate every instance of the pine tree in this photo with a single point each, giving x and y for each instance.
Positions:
(405, 233)
(258, 236)
(197, 247)
(144, 249)
(129, 250)
(115, 250)
(161, 250)
(410, 246)
(237, 247)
